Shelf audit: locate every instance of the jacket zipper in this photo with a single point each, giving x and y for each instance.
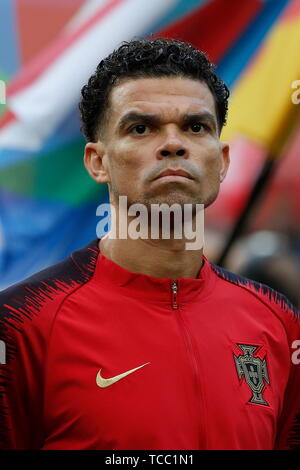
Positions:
(191, 353)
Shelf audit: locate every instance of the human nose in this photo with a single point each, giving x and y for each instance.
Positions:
(172, 146)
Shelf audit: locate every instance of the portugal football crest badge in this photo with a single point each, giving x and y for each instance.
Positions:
(254, 370)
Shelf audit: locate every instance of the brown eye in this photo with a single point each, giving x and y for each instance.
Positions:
(196, 127)
(140, 129)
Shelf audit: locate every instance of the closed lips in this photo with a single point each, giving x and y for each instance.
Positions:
(174, 173)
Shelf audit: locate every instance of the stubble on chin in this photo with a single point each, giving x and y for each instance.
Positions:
(174, 196)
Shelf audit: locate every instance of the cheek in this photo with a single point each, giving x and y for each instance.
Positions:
(125, 157)
(125, 167)
(211, 161)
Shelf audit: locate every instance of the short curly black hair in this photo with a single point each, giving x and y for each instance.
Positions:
(147, 58)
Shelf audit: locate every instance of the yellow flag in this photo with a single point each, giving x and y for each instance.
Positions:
(264, 105)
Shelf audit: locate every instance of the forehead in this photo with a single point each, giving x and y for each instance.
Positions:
(164, 95)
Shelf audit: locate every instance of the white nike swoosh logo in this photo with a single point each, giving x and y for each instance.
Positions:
(103, 383)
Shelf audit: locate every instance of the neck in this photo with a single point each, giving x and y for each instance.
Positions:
(157, 258)
(173, 256)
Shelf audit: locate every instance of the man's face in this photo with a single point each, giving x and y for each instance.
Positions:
(157, 125)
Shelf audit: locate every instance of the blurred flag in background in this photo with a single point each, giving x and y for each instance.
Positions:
(49, 48)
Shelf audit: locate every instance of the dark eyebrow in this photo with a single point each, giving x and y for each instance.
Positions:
(135, 116)
(153, 119)
(200, 117)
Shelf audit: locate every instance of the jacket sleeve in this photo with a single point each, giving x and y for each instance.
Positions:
(20, 396)
(288, 429)
(27, 311)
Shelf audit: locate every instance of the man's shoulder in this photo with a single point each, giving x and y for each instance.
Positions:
(270, 298)
(47, 288)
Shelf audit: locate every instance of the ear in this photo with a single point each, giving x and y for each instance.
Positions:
(95, 161)
(225, 160)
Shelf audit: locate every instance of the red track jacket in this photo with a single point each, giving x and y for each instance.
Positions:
(98, 357)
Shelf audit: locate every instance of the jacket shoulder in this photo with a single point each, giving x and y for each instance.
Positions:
(272, 299)
(41, 294)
